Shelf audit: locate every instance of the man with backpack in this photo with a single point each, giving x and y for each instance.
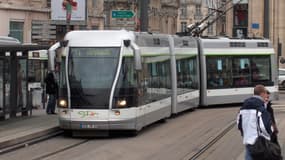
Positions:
(253, 120)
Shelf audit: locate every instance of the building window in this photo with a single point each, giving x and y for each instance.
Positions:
(183, 26)
(17, 30)
(210, 29)
(183, 12)
(48, 3)
(241, 15)
(198, 10)
(94, 3)
(198, 13)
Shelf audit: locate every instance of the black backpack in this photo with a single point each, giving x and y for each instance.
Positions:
(264, 149)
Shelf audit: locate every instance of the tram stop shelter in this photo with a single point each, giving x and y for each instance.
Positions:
(14, 95)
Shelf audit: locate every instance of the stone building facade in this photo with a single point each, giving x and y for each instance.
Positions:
(17, 17)
(163, 16)
(30, 20)
(193, 11)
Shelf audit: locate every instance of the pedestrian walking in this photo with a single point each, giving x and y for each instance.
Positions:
(251, 113)
(52, 91)
(268, 106)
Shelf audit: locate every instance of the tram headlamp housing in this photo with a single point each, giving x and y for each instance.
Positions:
(121, 103)
(62, 103)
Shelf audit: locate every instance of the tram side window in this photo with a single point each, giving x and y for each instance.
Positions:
(260, 68)
(159, 74)
(251, 70)
(241, 71)
(219, 73)
(238, 71)
(127, 88)
(186, 74)
(62, 77)
(155, 79)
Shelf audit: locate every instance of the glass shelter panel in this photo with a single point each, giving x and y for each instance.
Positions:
(7, 84)
(22, 83)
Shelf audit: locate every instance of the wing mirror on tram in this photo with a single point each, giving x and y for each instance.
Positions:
(137, 56)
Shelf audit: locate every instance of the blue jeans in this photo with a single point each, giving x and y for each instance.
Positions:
(247, 154)
(51, 104)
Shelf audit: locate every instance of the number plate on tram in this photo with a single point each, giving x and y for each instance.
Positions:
(87, 126)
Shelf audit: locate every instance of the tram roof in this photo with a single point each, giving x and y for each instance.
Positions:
(108, 38)
(222, 42)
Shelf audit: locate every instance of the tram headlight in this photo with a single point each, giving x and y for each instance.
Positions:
(62, 103)
(121, 103)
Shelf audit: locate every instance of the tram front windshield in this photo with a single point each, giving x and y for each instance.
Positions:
(91, 72)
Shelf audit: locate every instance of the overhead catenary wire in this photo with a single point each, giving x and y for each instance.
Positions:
(198, 28)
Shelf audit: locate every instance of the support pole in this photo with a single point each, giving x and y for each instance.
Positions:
(266, 19)
(144, 4)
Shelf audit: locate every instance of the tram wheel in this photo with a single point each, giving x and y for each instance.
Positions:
(67, 133)
(283, 84)
(133, 133)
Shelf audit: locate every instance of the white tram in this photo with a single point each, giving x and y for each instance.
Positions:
(123, 80)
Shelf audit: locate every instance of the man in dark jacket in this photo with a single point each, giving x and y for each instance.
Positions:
(268, 106)
(252, 110)
(51, 90)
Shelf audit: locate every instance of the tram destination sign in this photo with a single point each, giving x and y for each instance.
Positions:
(122, 14)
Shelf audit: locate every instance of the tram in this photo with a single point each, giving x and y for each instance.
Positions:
(124, 80)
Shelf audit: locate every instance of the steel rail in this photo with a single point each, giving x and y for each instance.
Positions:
(207, 146)
(29, 142)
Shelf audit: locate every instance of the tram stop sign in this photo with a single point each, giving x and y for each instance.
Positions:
(122, 14)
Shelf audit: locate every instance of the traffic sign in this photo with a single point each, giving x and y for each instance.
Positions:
(122, 14)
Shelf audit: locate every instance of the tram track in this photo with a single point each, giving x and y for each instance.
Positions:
(41, 139)
(29, 142)
(61, 150)
(214, 140)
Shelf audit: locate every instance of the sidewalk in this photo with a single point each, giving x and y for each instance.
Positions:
(20, 129)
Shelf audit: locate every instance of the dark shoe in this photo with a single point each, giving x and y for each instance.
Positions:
(53, 113)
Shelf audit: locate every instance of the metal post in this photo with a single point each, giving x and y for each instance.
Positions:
(266, 18)
(13, 83)
(144, 4)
